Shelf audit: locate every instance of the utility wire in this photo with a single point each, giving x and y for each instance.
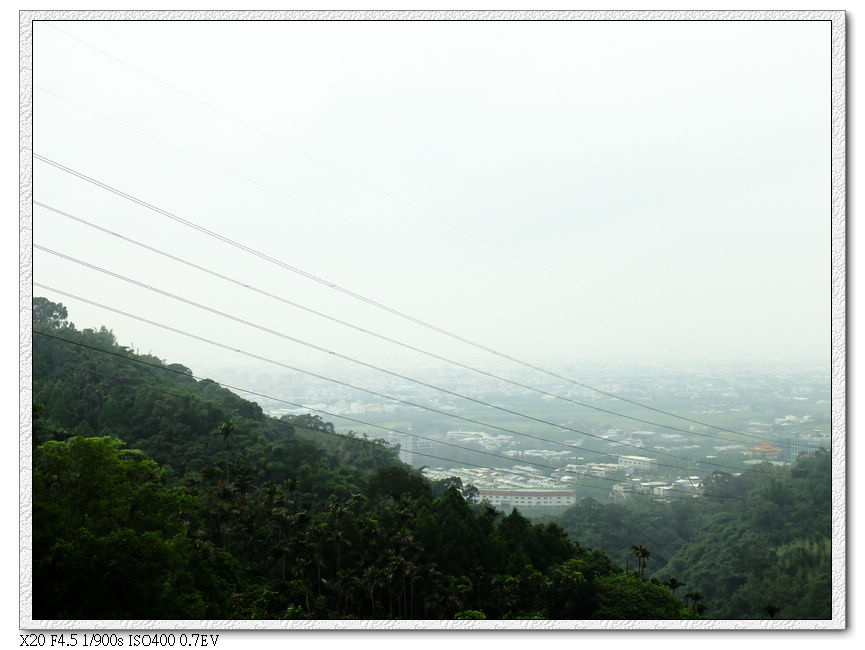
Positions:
(93, 371)
(375, 334)
(309, 408)
(357, 296)
(225, 170)
(379, 394)
(356, 179)
(329, 414)
(316, 431)
(366, 364)
(374, 367)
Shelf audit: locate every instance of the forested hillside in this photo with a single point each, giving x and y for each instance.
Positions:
(159, 495)
(756, 546)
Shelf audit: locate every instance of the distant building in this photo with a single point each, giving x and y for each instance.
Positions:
(525, 469)
(729, 447)
(464, 436)
(800, 446)
(655, 487)
(638, 462)
(576, 471)
(766, 450)
(690, 484)
(622, 490)
(657, 490)
(568, 470)
(507, 499)
(409, 445)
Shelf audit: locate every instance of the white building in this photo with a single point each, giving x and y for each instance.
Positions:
(507, 499)
(796, 446)
(638, 462)
(408, 445)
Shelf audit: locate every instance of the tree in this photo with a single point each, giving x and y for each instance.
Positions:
(674, 584)
(772, 610)
(471, 494)
(695, 597)
(110, 537)
(48, 315)
(570, 593)
(622, 596)
(642, 554)
(718, 484)
(396, 481)
(225, 430)
(441, 485)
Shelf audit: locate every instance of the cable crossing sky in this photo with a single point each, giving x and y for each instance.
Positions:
(357, 296)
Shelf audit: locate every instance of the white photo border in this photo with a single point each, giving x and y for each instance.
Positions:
(838, 310)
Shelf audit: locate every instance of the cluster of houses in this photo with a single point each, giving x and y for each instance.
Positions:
(526, 487)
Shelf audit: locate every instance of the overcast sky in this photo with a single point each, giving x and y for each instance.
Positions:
(599, 191)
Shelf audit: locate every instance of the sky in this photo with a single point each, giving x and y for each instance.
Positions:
(623, 192)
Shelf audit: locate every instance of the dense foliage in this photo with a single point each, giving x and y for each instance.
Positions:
(756, 546)
(158, 495)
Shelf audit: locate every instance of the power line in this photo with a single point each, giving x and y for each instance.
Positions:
(303, 406)
(371, 333)
(357, 296)
(361, 181)
(309, 408)
(364, 363)
(368, 365)
(379, 394)
(243, 177)
(530, 296)
(93, 371)
(329, 414)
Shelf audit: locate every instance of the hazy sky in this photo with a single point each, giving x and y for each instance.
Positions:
(622, 191)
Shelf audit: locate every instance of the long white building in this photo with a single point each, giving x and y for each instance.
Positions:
(638, 462)
(507, 499)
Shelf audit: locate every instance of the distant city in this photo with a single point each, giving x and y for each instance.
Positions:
(762, 416)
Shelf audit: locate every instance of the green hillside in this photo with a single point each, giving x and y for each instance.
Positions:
(158, 495)
(758, 545)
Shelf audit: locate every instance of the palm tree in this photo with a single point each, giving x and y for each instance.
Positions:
(225, 430)
(695, 597)
(373, 577)
(412, 572)
(642, 554)
(299, 571)
(674, 584)
(334, 532)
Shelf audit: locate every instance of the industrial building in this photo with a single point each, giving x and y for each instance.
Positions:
(507, 499)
